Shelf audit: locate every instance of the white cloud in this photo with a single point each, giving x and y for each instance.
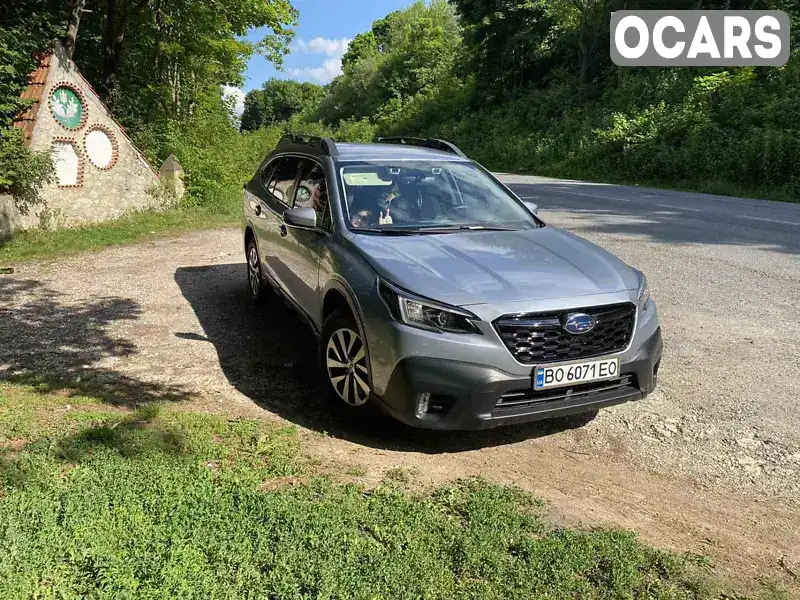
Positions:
(329, 47)
(321, 45)
(331, 68)
(237, 95)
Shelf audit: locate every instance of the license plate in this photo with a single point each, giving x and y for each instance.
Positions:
(575, 373)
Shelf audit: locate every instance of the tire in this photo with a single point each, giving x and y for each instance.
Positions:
(345, 365)
(255, 278)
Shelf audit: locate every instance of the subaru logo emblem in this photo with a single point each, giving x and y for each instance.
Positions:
(579, 323)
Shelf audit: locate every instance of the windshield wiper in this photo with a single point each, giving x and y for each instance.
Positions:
(454, 228)
(386, 231)
(424, 230)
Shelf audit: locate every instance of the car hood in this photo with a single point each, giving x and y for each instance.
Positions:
(477, 267)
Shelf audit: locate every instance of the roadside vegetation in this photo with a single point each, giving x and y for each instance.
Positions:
(35, 244)
(156, 501)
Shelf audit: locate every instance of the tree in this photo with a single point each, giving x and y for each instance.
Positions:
(72, 28)
(253, 114)
(363, 46)
(508, 44)
(408, 52)
(279, 100)
(152, 58)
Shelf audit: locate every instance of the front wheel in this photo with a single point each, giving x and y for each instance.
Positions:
(255, 280)
(343, 358)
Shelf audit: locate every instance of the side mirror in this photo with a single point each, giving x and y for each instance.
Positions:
(302, 217)
(532, 206)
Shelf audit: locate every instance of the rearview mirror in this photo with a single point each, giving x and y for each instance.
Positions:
(303, 217)
(532, 206)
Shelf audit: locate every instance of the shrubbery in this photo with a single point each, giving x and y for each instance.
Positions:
(22, 171)
(218, 159)
(734, 131)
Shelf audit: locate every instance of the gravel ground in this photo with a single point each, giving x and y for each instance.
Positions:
(726, 405)
(710, 462)
(728, 291)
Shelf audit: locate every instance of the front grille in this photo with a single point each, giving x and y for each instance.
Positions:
(540, 337)
(529, 396)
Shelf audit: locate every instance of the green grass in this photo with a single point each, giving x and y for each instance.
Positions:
(36, 244)
(160, 502)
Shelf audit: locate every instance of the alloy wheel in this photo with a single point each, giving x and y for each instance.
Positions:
(253, 271)
(346, 362)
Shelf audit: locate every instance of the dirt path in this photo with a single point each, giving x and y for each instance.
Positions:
(171, 319)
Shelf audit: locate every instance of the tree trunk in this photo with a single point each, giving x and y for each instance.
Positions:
(159, 16)
(584, 69)
(118, 41)
(583, 51)
(108, 48)
(72, 28)
(158, 70)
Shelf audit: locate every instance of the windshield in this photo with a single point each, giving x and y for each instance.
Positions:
(427, 195)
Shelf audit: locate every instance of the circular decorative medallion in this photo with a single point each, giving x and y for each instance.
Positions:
(101, 147)
(67, 106)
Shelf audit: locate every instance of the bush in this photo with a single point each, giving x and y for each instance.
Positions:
(22, 171)
(216, 157)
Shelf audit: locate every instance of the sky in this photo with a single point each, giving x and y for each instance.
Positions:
(324, 30)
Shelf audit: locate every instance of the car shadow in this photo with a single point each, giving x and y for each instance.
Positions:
(269, 354)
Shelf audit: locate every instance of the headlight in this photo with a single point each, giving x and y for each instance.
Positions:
(644, 291)
(425, 314)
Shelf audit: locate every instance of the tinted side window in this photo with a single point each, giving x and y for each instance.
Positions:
(312, 191)
(267, 171)
(281, 186)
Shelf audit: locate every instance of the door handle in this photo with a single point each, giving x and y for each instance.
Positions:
(284, 230)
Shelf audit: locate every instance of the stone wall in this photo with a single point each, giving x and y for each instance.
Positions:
(9, 216)
(98, 193)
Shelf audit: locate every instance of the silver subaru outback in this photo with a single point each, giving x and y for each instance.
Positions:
(437, 294)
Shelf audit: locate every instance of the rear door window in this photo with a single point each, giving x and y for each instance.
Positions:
(266, 172)
(281, 185)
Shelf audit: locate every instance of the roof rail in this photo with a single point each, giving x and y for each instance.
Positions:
(432, 143)
(327, 146)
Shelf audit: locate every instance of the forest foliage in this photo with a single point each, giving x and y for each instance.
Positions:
(524, 85)
(529, 86)
(277, 101)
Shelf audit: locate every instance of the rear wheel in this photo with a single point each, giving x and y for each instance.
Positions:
(255, 280)
(343, 358)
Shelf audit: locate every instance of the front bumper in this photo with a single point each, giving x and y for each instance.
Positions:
(466, 395)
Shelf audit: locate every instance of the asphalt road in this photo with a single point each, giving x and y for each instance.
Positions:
(669, 216)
